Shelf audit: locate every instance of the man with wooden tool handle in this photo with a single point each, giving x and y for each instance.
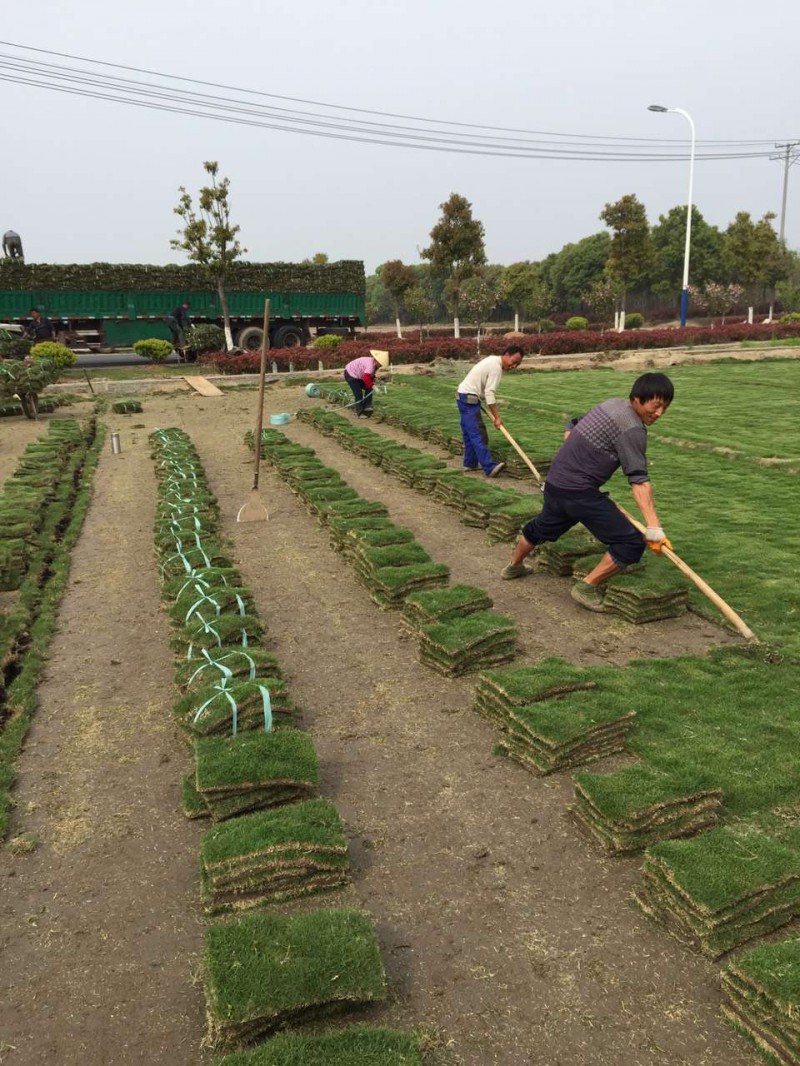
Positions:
(481, 384)
(613, 434)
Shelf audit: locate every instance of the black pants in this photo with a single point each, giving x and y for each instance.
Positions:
(361, 394)
(562, 510)
(178, 337)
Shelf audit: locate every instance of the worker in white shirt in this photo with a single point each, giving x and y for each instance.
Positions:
(480, 385)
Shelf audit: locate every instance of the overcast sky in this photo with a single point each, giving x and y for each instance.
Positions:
(85, 179)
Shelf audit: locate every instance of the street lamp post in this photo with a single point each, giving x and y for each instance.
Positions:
(685, 289)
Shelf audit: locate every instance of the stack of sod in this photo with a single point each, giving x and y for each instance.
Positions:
(380, 534)
(345, 532)
(263, 971)
(126, 407)
(558, 557)
(657, 591)
(408, 463)
(553, 716)
(722, 889)
(481, 502)
(232, 705)
(506, 521)
(391, 584)
(273, 855)
(253, 770)
(14, 555)
(763, 990)
(218, 664)
(633, 808)
(463, 645)
(443, 605)
(357, 1046)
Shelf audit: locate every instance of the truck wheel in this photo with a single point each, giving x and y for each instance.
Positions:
(289, 337)
(250, 338)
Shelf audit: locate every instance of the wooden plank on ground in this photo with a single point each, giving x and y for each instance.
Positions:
(202, 385)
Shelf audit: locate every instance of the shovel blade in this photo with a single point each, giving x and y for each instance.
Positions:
(253, 511)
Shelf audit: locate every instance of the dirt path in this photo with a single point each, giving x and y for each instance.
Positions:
(100, 924)
(503, 931)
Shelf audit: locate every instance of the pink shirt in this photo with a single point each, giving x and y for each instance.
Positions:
(365, 364)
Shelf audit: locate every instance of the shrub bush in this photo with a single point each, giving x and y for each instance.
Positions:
(58, 354)
(577, 322)
(26, 380)
(546, 325)
(634, 320)
(328, 340)
(792, 316)
(205, 338)
(155, 349)
(13, 346)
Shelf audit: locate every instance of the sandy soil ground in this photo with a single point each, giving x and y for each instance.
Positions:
(504, 931)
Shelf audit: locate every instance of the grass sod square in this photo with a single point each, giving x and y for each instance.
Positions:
(548, 679)
(380, 537)
(765, 1004)
(506, 521)
(210, 708)
(194, 806)
(206, 630)
(227, 599)
(190, 559)
(204, 577)
(631, 842)
(369, 559)
(436, 605)
(230, 662)
(468, 643)
(351, 509)
(393, 583)
(356, 1046)
(631, 798)
(262, 971)
(282, 764)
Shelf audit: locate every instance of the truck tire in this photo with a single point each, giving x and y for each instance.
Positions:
(289, 337)
(250, 338)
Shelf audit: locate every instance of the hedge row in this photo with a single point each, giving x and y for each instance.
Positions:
(347, 275)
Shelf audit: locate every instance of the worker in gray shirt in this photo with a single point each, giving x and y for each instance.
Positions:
(613, 434)
(12, 246)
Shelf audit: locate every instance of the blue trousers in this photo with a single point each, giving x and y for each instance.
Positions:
(562, 510)
(476, 439)
(361, 394)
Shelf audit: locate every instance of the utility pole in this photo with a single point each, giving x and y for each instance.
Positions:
(789, 155)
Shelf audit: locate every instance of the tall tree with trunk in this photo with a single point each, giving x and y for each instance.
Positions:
(629, 261)
(398, 279)
(668, 245)
(207, 235)
(457, 248)
(420, 306)
(478, 298)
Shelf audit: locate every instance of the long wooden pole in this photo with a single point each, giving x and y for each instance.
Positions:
(262, 376)
(723, 607)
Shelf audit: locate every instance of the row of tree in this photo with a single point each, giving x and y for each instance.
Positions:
(629, 265)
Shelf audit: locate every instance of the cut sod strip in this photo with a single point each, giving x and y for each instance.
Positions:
(233, 705)
(763, 990)
(273, 855)
(648, 592)
(722, 889)
(639, 806)
(357, 1046)
(443, 605)
(553, 718)
(255, 770)
(263, 971)
(462, 645)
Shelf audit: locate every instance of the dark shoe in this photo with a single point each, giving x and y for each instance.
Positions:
(589, 597)
(509, 573)
(368, 414)
(496, 469)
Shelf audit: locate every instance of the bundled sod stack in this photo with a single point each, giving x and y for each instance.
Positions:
(553, 716)
(720, 890)
(464, 645)
(356, 1046)
(763, 990)
(273, 855)
(265, 971)
(232, 705)
(126, 407)
(639, 806)
(254, 770)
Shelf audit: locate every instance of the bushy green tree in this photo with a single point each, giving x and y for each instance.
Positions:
(629, 258)
(457, 247)
(602, 297)
(478, 298)
(420, 306)
(398, 279)
(522, 288)
(572, 271)
(668, 244)
(208, 236)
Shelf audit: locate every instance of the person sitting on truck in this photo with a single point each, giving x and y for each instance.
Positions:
(39, 328)
(360, 375)
(177, 322)
(12, 245)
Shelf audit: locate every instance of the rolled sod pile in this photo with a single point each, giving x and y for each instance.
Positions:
(553, 717)
(640, 806)
(463, 645)
(720, 890)
(254, 770)
(443, 605)
(356, 1046)
(263, 971)
(273, 855)
(126, 407)
(650, 591)
(763, 990)
(560, 556)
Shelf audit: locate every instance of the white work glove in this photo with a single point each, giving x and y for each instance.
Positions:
(656, 539)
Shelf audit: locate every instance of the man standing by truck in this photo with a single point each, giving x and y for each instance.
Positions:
(12, 245)
(177, 322)
(39, 328)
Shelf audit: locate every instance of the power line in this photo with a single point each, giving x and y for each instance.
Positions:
(789, 156)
